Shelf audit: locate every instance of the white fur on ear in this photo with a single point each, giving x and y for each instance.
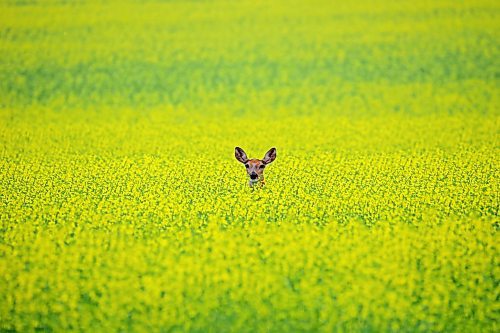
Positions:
(270, 156)
(240, 155)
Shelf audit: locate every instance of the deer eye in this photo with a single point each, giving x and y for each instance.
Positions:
(247, 166)
(262, 166)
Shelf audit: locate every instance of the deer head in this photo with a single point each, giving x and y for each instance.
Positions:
(255, 167)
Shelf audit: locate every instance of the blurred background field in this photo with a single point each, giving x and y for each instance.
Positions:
(122, 207)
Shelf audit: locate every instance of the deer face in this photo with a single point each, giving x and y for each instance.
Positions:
(255, 167)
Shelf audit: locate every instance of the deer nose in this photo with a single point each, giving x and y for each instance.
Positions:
(253, 176)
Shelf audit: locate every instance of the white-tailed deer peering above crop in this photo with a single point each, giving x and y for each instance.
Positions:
(255, 167)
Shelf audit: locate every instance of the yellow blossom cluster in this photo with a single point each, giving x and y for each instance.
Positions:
(123, 209)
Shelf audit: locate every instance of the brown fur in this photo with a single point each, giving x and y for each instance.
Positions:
(254, 170)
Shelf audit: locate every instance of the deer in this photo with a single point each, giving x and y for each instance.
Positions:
(255, 167)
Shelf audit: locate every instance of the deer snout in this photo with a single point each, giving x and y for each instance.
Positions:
(253, 175)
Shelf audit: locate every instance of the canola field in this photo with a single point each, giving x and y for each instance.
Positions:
(123, 209)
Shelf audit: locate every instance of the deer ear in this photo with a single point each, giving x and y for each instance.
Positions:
(240, 155)
(270, 156)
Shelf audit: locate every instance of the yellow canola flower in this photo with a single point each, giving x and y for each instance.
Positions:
(122, 207)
